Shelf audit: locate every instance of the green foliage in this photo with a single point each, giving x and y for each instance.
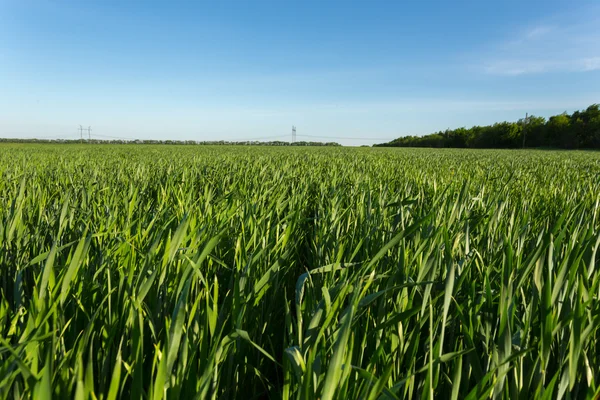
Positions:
(581, 130)
(298, 273)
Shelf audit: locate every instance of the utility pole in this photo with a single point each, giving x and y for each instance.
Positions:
(525, 127)
(293, 134)
(89, 129)
(81, 133)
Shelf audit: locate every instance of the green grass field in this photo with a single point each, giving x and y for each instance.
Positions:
(298, 273)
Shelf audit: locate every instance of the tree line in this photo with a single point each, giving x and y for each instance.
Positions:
(170, 142)
(580, 130)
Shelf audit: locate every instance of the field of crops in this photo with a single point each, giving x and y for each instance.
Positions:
(298, 273)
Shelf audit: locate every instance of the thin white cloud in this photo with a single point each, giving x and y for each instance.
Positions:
(544, 48)
(539, 32)
(590, 64)
(403, 106)
(521, 67)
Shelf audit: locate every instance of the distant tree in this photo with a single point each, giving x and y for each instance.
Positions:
(579, 130)
(559, 132)
(533, 131)
(586, 125)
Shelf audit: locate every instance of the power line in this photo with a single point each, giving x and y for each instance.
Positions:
(227, 140)
(114, 137)
(81, 130)
(343, 138)
(256, 139)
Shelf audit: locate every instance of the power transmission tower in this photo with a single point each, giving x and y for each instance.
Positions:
(293, 134)
(89, 131)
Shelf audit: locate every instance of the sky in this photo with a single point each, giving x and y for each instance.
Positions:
(355, 72)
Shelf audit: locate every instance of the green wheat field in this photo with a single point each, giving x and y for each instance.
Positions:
(213, 272)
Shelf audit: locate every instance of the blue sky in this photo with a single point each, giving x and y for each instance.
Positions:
(357, 72)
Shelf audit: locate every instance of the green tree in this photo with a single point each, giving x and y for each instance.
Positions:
(559, 133)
